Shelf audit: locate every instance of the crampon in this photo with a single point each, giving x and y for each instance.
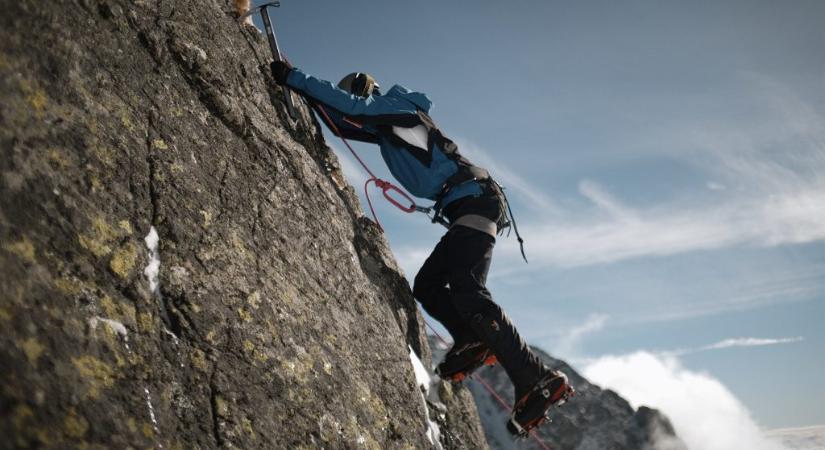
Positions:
(532, 409)
(459, 363)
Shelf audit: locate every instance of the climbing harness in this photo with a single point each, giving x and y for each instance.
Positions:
(437, 209)
(273, 46)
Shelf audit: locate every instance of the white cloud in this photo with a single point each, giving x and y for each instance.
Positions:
(778, 219)
(606, 202)
(751, 342)
(768, 189)
(705, 414)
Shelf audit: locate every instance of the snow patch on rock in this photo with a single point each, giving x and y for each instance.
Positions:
(152, 270)
(424, 381)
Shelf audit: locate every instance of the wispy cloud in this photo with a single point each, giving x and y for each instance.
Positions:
(566, 345)
(540, 201)
(736, 342)
(768, 190)
(779, 219)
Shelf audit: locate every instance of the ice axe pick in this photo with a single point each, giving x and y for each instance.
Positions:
(273, 46)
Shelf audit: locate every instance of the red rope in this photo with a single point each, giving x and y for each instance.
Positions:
(492, 392)
(384, 185)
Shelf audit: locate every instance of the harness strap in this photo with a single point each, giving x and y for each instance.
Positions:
(477, 222)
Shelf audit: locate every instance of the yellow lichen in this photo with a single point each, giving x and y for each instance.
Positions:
(23, 249)
(147, 429)
(21, 415)
(37, 99)
(221, 407)
(211, 337)
(160, 144)
(244, 315)
(239, 245)
(94, 180)
(248, 346)
(106, 155)
(124, 260)
(246, 424)
(145, 321)
(254, 299)
(5, 315)
(74, 425)
(108, 306)
(32, 348)
(54, 155)
(98, 237)
(199, 360)
(68, 286)
(127, 122)
(260, 356)
(299, 367)
(97, 373)
(131, 424)
(207, 218)
(125, 226)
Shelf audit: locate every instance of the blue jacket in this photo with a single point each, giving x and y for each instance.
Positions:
(387, 120)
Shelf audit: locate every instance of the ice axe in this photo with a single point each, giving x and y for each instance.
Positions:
(273, 45)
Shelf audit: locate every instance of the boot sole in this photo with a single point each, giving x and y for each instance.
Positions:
(458, 377)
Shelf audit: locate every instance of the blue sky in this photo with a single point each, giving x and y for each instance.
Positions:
(666, 162)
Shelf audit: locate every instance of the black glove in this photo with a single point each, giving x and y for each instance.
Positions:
(280, 70)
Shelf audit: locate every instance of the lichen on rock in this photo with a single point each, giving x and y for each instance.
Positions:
(277, 317)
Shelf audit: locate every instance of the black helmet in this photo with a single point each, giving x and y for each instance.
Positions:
(359, 83)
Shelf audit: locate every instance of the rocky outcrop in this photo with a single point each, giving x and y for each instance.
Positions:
(182, 266)
(594, 419)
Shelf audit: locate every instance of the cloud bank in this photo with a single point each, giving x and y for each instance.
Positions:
(704, 413)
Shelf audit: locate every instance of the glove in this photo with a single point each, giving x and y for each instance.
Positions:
(280, 70)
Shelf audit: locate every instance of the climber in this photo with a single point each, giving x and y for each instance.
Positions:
(451, 284)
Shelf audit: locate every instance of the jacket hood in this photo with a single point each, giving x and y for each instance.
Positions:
(419, 99)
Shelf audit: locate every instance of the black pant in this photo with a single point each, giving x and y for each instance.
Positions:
(451, 287)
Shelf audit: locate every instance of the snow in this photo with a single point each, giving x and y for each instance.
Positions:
(152, 269)
(116, 326)
(423, 379)
(152, 415)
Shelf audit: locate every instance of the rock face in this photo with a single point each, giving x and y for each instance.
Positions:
(595, 419)
(181, 265)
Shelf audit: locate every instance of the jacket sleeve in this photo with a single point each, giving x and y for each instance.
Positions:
(375, 109)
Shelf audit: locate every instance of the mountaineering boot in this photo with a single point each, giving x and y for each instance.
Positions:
(530, 410)
(463, 359)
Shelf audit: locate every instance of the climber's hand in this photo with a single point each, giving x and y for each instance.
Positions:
(280, 70)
